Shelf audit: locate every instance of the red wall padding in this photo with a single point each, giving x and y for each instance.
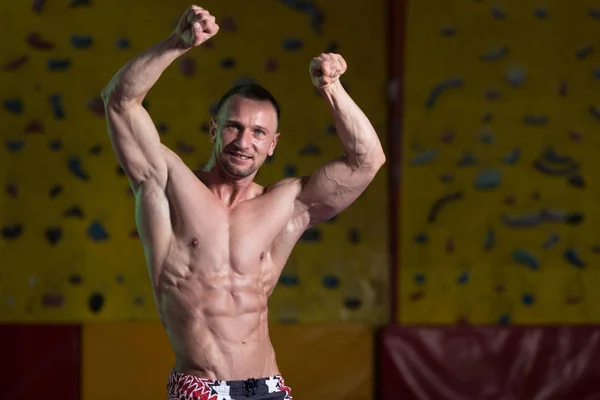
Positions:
(39, 362)
(489, 363)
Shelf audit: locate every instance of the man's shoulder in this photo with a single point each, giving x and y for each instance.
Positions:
(290, 183)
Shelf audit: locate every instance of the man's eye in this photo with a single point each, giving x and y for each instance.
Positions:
(259, 132)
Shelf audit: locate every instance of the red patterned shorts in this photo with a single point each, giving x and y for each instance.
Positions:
(188, 387)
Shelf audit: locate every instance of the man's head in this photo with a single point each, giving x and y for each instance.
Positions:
(244, 130)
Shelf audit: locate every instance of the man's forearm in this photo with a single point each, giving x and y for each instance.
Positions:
(135, 79)
(357, 135)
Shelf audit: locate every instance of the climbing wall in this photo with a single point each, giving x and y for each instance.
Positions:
(69, 249)
(499, 200)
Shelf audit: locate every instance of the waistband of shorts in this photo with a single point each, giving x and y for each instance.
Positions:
(180, 382)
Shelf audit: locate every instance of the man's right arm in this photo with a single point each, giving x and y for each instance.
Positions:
(133, 135)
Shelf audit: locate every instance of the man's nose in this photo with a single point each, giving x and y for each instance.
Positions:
(244, 139)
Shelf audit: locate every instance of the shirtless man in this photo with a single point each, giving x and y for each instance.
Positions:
(216, 242)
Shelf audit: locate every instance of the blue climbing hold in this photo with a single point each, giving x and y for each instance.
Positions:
(463, 278)
(55, 191)
(424, 158)
(310, 149)
(12, 231)
(56, 106)
(213, 108)
(331, 129)
(525, 258)
(420, 279)
(512, 157)
(53, 235)
(14, 145)
(228, 63)
(421, 238)
(467, 160)
(528, 299)
(123, 43)
(74, 211)
(573, 258)
(540, 12)
(504, 319)
(288, 280)
(96, 302)
(289, 170)
(354, 236)
(497, 13)
(15, 106)
(331, 281)
(55, 145)
(96, 232)
(81, 41)
(59, 64)
(488, 179)
(536, 120)
(74, 165)
(352, 303)
(440, 88)
(292, 44)
(311, 235)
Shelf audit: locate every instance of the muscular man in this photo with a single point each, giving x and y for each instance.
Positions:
(215, 241)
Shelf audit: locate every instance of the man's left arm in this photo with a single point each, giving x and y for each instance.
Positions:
(339, 182)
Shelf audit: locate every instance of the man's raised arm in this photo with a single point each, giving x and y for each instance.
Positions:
(338, 183)
(132, 132)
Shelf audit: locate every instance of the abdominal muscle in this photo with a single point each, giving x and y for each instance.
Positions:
(217, 322)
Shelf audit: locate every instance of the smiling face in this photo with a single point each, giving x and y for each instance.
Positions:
(244, 134)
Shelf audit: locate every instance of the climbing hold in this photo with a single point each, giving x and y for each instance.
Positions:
(352, 303)
(424, 158)
(162, 128)
(243, 81)
(15, 63)
(36, 41)
(577, 181)
(75, 279)
(504, 319)
(288, 280)
(463, 278)
(446, 178)
(228, 63)
(55, 145)
(74, 165)
(488, 179)
(486, 136)
(292, 44)
(595, 112)
(573, 258)
(526, 258)
(59, 64)
(271, 65)
(37, 6)
(185, 148)
(536, 196)
(81, 41)
(494, 54)
(213, 108)
(467, 160)
(52, 300)
(515, 77)
(134, 234)
(96, 105)
(96, 232)
(594, 13)
(58, 111)
(575, 136)
(55, 191)
(123, 43)
(487, 118)
(354, 236)
(440, 203)
(311, 9)
(53, 234)
(205, 128)
(512, 157)
(497, 13)
(12, 231)
(310, 149)
(540, 12)
(509, 200)
(138, 301)
(449, 248)
(492, 94)
(527, 299)
(331, 281)
(448, 31)
(421, 238)
(551, 241)
(490, 240)
(415, 296)
(15, 106)
(447, 137)
(120, 279)
(441, 88)
(79, 3)
(187, 66)
(14, 145)
(95, 150)
(536, 120)
(573, 299)
(311, 235)
(96, 302)
(34, 126)
(12, 191)
(74, 211)
(583, 52)
(420, 279)
(289, 170)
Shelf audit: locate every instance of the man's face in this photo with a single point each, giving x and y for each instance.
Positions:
(244, 134)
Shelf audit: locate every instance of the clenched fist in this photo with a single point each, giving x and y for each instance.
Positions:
(326, 69)
(195, 27)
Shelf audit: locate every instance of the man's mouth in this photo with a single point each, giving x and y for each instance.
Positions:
(240, 155)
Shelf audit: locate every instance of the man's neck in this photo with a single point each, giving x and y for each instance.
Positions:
(229, 190)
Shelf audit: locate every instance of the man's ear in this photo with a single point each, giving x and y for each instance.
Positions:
(213, 130)
(273, 144)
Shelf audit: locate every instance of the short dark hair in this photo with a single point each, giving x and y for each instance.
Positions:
(249, 91)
